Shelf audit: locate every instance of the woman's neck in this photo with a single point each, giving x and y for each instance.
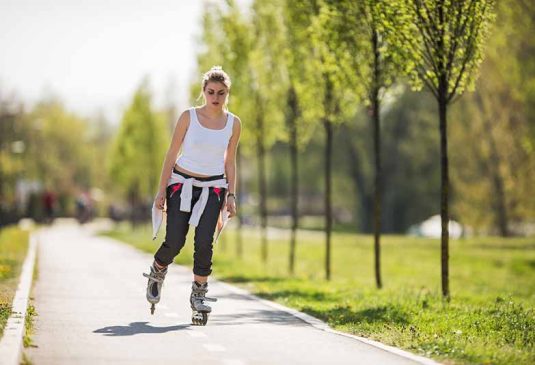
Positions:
(213, 112)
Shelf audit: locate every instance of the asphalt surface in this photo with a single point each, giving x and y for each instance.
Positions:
(90, 300)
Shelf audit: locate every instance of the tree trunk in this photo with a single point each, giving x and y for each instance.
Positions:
(261, 154)
(291, 120)
(500, 206)
(493, 166)
(444, 189)
(364, 200)
(133, 198)
(442, 93)
(328, 206)
(327, 124)
(3, 220)
(377, 149)
(377, 192)
(239, 232)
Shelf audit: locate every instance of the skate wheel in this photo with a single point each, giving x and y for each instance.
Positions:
(199, 319)
(152, 309)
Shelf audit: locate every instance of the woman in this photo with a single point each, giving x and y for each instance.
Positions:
(198, 187)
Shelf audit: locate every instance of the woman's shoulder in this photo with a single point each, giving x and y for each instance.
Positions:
(189, 110)
(234, 116)
(184, 117)
(236, 122)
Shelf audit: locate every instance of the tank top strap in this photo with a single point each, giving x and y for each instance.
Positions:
(192, 116)
(230, 121)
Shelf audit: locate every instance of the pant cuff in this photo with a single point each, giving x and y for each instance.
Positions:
(202, 272)
(161, 262)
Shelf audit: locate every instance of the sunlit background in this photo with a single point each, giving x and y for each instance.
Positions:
(93, 54)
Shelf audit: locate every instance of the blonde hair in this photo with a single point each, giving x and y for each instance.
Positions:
(215, 74)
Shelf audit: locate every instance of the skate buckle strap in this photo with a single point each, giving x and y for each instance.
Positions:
(158, 279)
(199, 294)
(203, 299)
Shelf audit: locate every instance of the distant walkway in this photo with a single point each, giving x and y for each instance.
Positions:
(90, 300)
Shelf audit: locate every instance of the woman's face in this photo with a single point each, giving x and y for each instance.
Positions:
(215, 94)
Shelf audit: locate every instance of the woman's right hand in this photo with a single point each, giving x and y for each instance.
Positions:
(159, 201)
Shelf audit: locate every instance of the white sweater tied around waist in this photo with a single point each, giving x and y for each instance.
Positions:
(185, 200)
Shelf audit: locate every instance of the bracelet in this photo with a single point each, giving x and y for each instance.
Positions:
(232, 195)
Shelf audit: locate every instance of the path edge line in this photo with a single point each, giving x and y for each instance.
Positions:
(11, 343)
(319, 324)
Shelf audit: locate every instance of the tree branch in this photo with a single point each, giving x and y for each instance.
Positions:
(427, 81)
(415, 49)
(457, 34)
(468, 55)
(427, 37)
(471, 47)
(429, 15)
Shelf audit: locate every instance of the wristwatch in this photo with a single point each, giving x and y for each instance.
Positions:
(232, 195)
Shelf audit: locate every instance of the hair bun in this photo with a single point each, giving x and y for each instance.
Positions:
(216, 74)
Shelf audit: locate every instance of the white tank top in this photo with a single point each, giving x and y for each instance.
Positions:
(203, 149)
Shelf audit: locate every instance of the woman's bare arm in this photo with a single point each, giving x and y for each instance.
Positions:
(230, 163)
(176, 142)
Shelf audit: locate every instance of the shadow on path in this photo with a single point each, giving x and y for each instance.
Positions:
(248, 279)
(135, 328)
(256, 316)
(341, 315)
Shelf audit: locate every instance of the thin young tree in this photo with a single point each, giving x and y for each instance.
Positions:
(358, 28)
(292, 115)
(322, 87)
(296, 35)
(268, 89)
(236, 50)
(444, 40)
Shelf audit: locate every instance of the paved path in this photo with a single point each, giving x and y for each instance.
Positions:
(90, 299)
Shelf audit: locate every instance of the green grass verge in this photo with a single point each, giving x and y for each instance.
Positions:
(13, 248)
(28, 326)
(31, 312)
(489, 320)
(25, 360)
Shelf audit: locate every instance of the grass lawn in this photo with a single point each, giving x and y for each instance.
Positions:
(489, 320)
(13, 248)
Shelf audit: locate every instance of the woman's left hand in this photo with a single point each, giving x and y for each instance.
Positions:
(231, 206)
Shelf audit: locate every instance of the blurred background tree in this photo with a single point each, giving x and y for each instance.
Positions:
(136, 158)
(13, 143)
(48, 149)
(493, 153)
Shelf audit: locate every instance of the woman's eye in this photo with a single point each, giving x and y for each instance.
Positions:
(210, 92)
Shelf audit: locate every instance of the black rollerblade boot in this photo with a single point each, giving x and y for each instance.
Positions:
(200, 309)
(154, 285)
